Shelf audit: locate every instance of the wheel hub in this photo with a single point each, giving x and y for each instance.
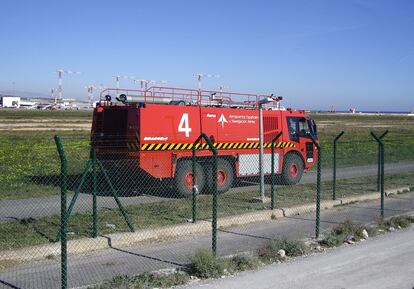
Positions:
(221, 177)
(188, 180)
(293, 170)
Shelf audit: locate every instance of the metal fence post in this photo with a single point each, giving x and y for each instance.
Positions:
(63, 210)
(215, 199)
(379, 162)
(94, 189)
(381, 171)
(318, 187)
(115, 196)
(272, 188)
(334, 165)
(194, 193)
(215, 191)
(382, 181)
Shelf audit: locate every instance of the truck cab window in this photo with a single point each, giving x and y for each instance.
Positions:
(298, 127)
(293, 127)
(312, 127)
(304, 129)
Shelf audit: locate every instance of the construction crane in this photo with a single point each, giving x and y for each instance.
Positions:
(223, 87)
(91, 89)
(53, 95)
(118, 77)
(146, 82)
(60, 73)
(200, 75)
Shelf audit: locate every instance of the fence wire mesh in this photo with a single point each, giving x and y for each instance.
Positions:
(144, 222)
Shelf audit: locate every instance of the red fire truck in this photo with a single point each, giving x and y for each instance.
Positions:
(156, 128)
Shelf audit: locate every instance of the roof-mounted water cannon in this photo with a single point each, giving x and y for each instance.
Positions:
(121, 98)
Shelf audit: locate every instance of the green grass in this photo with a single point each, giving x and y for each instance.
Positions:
(356, 146)
(15, 114)
(29, 162)
(21, 233)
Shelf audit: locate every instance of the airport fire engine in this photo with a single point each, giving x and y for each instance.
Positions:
(156, 129)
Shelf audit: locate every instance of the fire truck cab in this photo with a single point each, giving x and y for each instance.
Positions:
(157, 127)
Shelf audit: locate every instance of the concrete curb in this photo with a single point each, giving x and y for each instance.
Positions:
(139, 237)
(367, 197)
(174, 232)
(309, 208)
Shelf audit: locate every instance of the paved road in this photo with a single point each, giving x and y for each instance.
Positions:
(383, 263)
(104, 264)
(48, 206)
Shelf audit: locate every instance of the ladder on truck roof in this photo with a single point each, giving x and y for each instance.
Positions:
(180, 96)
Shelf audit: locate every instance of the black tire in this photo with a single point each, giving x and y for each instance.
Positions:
(225, 176)
(292, 170)
(183, 178)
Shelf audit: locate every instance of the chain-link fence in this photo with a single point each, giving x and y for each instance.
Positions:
(121, 215)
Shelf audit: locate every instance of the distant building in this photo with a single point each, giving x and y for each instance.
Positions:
(10, 101)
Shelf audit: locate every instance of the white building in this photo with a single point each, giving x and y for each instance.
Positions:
(10, 101)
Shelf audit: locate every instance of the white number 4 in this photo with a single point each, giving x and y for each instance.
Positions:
(184, 125)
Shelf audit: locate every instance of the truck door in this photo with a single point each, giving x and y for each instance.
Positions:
(299, 132)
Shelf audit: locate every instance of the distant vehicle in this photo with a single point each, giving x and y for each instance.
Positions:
(10, 102)
(158, 126)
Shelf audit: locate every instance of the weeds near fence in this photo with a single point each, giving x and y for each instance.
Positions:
(145, 281)
(342, 232)
(206, 265)
(397, 222)
(292, 248)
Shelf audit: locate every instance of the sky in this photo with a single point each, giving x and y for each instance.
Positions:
(316, 54)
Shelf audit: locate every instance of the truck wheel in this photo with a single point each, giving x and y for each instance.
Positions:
(184, 178)
(225, 176)
(292, 169)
